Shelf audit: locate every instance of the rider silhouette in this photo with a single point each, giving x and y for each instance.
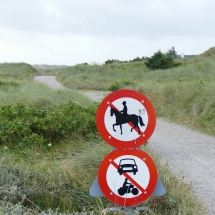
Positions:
(127, 188)
(125, 184)
(125, 110)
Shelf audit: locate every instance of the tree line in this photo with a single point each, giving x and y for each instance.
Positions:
(158, 61)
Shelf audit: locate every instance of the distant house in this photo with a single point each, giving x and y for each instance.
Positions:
(184, 56)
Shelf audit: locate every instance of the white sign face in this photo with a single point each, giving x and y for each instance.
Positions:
(136, 112)
(128, 176)
(126, 119)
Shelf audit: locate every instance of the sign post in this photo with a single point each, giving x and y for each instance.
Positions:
(127, 176)
(126, 119)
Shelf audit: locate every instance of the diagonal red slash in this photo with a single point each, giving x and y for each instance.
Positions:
(130, 123)
(129, 177)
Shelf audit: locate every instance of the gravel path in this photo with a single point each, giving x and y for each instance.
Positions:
(189, 153)
(49, 81)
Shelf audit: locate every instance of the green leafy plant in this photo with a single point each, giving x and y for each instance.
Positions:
(172, 52)
(23, 125)
(115, 86)
(120, 84)
(161, 61)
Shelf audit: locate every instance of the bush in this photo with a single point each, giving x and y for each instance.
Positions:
(120, 84)
(23, 125)
(111, 61)
(160, 61)
(172, 53)
(115, 86)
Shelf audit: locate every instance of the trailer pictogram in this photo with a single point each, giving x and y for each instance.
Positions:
(127, 177)
(126, 119)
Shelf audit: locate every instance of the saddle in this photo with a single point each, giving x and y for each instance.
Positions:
(125, 117)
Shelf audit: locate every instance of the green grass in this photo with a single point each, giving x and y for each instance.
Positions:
(38, 94)
(187, 103)
(60, 175)
(183, 94)
(16, 71)
(62, 178)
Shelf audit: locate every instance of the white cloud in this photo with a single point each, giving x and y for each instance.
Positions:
(70, 32)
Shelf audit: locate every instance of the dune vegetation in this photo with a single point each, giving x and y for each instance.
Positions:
(184, 94)
(49, 158)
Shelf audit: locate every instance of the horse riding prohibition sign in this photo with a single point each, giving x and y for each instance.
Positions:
(126, 119)
(127, 177)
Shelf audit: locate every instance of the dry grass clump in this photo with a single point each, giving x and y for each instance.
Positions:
(37, 189)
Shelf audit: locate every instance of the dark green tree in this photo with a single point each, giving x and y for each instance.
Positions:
(136, 59)
(160, 61)
(172, 53)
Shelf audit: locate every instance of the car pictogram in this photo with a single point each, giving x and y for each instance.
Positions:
(127, 165)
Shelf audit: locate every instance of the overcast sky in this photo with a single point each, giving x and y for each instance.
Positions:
(68, 32)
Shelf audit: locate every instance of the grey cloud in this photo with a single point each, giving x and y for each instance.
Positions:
(145, 19)
(22, 15)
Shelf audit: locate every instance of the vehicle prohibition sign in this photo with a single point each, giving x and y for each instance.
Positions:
(126, 119)
(127, 177)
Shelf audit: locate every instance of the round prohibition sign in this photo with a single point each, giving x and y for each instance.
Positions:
(127, 177)
(126, 119)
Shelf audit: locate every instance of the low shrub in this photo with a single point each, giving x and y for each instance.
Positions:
(115, 86)
(120, 84)
(161, 61)
(8, 83)
(23, 125)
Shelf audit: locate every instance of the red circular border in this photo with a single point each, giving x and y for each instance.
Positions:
(102, 179)
(101, 114)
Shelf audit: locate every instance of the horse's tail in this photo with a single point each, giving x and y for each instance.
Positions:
(141, 121)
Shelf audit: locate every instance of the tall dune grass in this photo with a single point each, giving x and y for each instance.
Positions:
(62, 178)
(38, 94)
(60, 175)
(188, 103)
(183, 94)
(16, 71)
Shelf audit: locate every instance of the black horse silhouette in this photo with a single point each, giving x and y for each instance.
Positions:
(120, 119)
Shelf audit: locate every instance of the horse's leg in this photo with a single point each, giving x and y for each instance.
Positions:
(113, 126)
(134, 121)
(133, 128)
(121, 128)
(138, 129)
(141, 121)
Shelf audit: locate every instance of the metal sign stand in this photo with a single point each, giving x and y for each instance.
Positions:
(138, 105)
(128, 210)
(96, 191)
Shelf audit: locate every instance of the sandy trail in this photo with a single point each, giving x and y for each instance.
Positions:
(189, 153)
(49, 81)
